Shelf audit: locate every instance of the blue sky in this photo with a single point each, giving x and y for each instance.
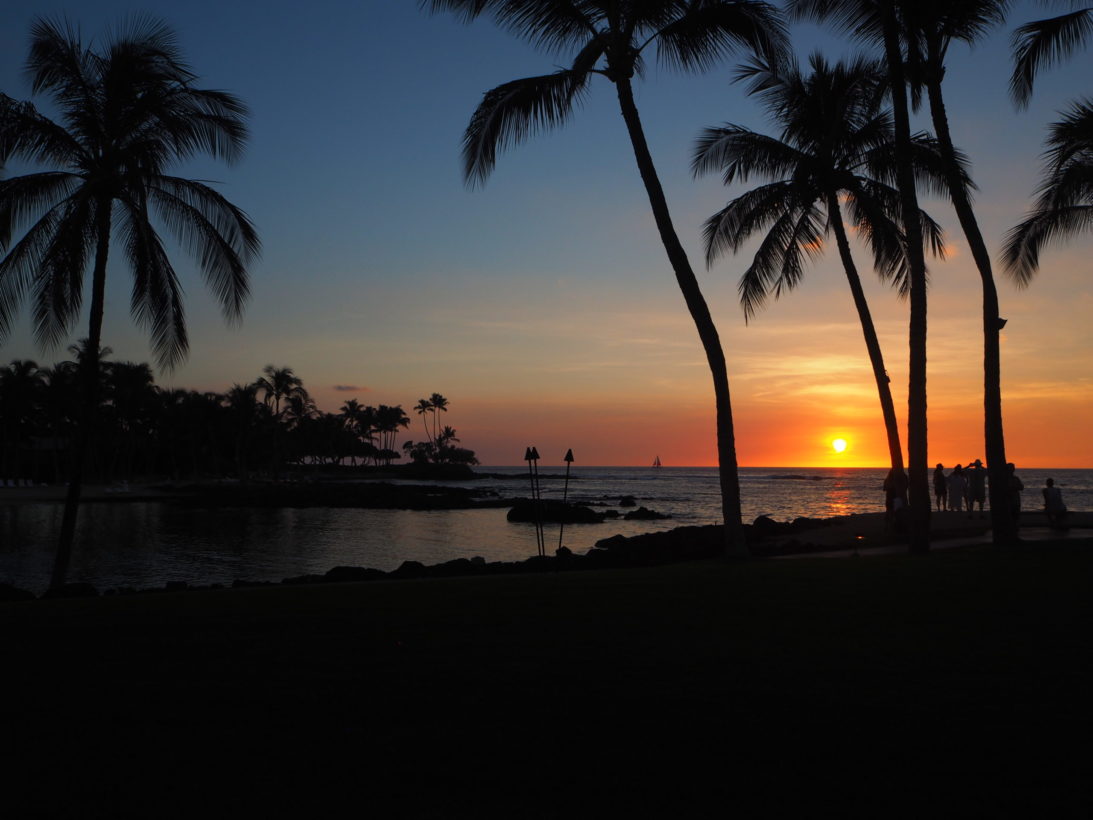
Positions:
(542, 304)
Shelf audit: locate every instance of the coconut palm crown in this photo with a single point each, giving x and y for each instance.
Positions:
(1064, 202)
(127, 112)
(608, 38)
(836, 141)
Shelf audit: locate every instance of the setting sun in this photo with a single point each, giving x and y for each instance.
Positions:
(839, 445)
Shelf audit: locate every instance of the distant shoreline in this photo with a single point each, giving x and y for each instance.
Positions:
(860, 534)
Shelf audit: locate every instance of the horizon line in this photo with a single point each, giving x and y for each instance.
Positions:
(751, 467)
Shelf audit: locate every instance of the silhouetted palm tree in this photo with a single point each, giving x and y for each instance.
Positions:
(282, 390)
(388, 421)
(247, 415)
(879, 22)
(1042, 44)
(130, 395)
(836, 141)
(350, 414)
(278, 385)
(439, 405)
(931, 27)
(1064, 202)
(127, 111)
(60, 407)
(609, 39)
(422, 407)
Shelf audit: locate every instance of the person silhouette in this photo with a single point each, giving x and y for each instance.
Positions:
(958, 487)
(895, 498)
(977, 486)
(941, 488)
(1054, 508)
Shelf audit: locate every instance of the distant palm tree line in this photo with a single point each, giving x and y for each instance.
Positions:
(258, 429)
(846, 153)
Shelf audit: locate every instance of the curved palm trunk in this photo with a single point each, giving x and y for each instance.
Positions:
(89, 389)
(700, 313)
(1003, 527)
(918, 474)
(872, 344)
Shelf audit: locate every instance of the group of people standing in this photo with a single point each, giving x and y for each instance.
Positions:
(964, 488)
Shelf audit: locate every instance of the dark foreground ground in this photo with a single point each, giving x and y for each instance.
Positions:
(959, 684)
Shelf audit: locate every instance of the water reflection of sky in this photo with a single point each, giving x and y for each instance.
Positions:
(147, 544)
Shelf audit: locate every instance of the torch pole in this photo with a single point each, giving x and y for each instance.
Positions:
(565, 494)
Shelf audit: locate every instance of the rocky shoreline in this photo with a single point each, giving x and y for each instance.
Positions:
(766, 539)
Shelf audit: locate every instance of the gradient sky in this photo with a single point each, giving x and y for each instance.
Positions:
(542, 305)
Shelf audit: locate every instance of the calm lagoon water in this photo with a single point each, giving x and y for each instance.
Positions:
(140, 544)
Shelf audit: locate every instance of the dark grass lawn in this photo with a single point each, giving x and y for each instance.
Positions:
(957, 684)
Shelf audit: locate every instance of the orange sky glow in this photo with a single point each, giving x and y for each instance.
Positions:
(542, 304)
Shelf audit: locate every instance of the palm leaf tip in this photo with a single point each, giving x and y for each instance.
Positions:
(1045, 43)
(510, 113)
(1020, 253)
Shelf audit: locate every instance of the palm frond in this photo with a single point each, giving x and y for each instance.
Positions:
(929, 165)
(147, 34)
(27, 134)
(218, 233)
(933, 235)
(708, 32)
(740, 153)
(58, 275)
(548, 24)
(34, 259)
(6, 222)
(156, 302)
(514, 111)
(752, 211)
(778, 264)
(203, 121)
(761, 276)
(24, 198)
(18, 266)
(58, 63)
(1064, 201)
(859, 19)
(1023, 244)
(1044, 43)
(1071, 138)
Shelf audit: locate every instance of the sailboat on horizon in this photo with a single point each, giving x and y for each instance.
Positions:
(656, 461)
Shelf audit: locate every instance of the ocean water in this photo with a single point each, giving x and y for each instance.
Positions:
(140, 544)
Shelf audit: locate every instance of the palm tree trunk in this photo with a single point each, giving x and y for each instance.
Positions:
(700, 312)
(872, 344)
(1003, 527)
(918, 469)
(89, 376)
